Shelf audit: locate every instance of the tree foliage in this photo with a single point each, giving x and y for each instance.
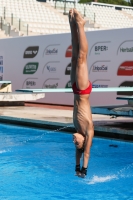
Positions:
(116, 2)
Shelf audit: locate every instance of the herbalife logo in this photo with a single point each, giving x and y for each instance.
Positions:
(68, 69)
(102, 68)
(30, 68)
(123, 50)
(51, 69)
(31, 52)
(51, 85)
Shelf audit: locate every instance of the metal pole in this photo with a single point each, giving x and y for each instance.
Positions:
(84, 11)
(19, 24)
(12, 19)
(9, 29)
(55, 3)
(94, 17)
(4, 12)
(65, 7)
(1, 23)
(27, 29)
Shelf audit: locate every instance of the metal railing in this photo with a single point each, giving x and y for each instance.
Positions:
(10, 23)
(67, 5)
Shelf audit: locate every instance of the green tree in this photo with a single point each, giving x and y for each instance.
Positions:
(116, 2)
(131, 2)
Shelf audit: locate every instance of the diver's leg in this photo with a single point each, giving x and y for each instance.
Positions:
(75, 45)
(82, 78)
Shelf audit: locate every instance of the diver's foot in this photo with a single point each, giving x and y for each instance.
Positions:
(78, 18)
(71, 18)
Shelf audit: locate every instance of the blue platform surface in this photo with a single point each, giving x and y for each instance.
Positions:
(122, 110)
(111, 89)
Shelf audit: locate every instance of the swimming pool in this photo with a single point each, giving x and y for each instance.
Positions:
(39, 164)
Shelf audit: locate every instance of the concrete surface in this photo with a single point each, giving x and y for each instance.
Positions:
(54, 117)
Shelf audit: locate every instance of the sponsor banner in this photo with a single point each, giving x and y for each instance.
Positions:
(31, 52)
(51, 67)
(68, 53)
(30, 83)
(126, 84)
(100, 83)
(68, 69)
(30, 68)
(99, 66)
(125, 47)
(100, 48)
(51, 83)
(125, 69)
(52, 49)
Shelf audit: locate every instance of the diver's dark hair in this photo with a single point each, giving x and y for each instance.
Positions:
(81, 150)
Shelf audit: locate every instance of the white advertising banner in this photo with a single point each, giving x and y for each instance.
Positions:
(45, 62)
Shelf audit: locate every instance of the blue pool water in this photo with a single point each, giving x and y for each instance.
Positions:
(39, 165)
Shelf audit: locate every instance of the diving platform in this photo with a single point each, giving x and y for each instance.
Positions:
(7, 97)
(118, 110)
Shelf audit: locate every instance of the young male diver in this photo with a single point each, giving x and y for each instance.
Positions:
(82, 117)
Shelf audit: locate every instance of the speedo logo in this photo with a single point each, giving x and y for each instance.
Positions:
(125, 69)
(126, 84)
(31, 52)
(102, 68)
(30, 68)
(68, 69)
(69, 52)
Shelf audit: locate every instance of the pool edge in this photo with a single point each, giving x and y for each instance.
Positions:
(100, 131)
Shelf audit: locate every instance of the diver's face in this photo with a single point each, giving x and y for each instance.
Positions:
(78, 141)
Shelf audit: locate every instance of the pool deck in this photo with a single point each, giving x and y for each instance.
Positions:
(60, 118)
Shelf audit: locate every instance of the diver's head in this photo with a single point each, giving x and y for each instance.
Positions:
(79, 141)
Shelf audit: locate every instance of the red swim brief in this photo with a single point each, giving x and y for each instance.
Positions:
(81, 92)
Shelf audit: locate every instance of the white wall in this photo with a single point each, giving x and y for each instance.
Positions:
(46, 65)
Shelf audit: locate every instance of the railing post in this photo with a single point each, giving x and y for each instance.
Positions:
(65, 7)
(19, 24)
(4, 12)
(55, 3)
(12, 19)
(84, 11)
(74, 4)
(9, 29)
(27, 29)
(94, 17)
(1, 23)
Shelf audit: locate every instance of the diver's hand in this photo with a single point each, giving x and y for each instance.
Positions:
(83, 172)
(78, 174)
(81, 175)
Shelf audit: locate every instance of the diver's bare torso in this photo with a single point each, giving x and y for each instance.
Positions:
(81, 113)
